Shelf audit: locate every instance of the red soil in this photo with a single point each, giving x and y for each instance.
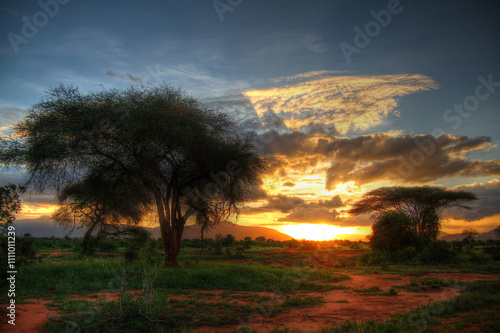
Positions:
(340, 305)
(29, 317)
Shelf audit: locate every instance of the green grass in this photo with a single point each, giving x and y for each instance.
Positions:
(220, 290)
(85, 276)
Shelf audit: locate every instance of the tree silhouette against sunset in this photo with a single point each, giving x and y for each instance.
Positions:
(187, 158)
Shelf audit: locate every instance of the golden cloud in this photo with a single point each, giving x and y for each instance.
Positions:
(337, 103)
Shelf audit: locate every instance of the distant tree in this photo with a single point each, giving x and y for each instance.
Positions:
(247, 242)
(421, 205)
(228, 240)
(470, 238)
(260, 239)
(391, 232)
(190, 159)
(470, 234)
(497, 231)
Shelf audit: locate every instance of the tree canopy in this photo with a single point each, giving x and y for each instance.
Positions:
(421, 204)
(189, 159)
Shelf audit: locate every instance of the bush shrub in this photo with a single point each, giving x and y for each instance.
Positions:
(391, 232)
(437, 253)
(107, 245)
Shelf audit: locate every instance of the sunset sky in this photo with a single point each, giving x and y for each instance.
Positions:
(342, 96)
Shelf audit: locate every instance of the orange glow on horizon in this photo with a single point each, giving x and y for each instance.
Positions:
(34, 211)
(316, 232)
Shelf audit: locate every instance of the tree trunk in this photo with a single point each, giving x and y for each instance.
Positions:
(86, 239)
(171, 225)
(175, 242)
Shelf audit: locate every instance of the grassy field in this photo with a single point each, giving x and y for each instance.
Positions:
(261, 289)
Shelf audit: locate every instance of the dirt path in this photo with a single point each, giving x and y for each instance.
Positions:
(340, 305)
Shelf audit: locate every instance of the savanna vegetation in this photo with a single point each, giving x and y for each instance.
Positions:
(232, 281)
(176, 156)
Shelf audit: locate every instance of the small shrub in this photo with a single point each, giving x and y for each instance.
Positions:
(131, 254)
(26, 249)
(107, 245)
(493, 249)
(436, 253)
(403, 255)
(478, 258)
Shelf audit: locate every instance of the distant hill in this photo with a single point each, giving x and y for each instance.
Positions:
(458, 237)
(238, 231)
(45, 227)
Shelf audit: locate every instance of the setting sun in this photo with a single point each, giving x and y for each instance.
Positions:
(317, 232)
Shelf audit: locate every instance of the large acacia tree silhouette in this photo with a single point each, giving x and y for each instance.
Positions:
(189, 159)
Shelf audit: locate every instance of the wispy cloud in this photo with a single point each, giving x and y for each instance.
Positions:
(93, 43)
(128, 77)
(9, 116)
(307, 75)
(201, 83)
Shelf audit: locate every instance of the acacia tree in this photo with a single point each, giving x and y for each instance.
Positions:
(190, 159)
(422, 205)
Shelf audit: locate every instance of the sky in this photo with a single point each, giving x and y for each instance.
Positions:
(342, 96)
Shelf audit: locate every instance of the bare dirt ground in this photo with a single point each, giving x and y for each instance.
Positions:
(340, 305)
(29, 316)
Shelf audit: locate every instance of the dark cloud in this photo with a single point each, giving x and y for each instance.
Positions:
(288, 144)
(288, 184)
(311, 214)
(284, 203)
(275, 203)
(378, 156)
(256, 192)
(406, 159)
(322, 211)
(487, 204)
(334, 202)
(128, 77)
